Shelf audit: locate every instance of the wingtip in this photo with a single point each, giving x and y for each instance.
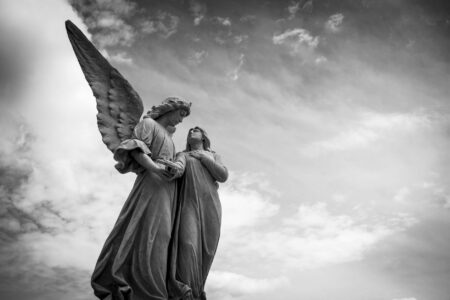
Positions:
(73, 31)
(70, 27)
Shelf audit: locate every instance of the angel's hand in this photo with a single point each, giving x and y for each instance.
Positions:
(172, 168)
(161, 171)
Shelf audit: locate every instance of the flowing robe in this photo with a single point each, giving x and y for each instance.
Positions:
(133, 262)
(197, 229)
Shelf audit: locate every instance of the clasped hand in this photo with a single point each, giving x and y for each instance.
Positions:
(167, 169)
(201, 154)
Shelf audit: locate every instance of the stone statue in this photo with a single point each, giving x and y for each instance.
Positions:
(134, 260)
(197, 228)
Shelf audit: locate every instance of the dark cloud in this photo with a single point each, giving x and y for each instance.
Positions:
(22, 276)
(15, 170)
(418, 259)
(13, 68)
(26, 280)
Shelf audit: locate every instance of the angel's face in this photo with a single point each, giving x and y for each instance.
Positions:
(176, 117)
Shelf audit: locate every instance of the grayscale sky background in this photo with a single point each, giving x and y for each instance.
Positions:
(332, 117)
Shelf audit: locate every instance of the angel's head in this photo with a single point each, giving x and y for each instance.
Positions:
(174, 117)
(172, 108)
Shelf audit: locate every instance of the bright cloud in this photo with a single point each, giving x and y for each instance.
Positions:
(228, 285)
(197, 57)
(163, 23)
(222, 21)
(246, 201)
(121, 58)
(198, 10)
(311, 238)
(108, 18)
(334, 22)
(299, 41)
(369, 128)
(234, 74)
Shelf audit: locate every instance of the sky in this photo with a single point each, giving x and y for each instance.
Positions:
(331, 116)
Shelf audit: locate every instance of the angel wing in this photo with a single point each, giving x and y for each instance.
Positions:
(118, 104)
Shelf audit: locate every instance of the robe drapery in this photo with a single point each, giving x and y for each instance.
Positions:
(197, 229)
(133, 262)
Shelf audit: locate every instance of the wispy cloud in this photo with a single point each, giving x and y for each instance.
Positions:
(163, 23)
(334, 22)
(307, 239)
(222, 21)
(121, 58)
(108, 19)
(198, 10)
(369, 128)
(228, 285)
(298, 41)
(166, 24)
(234, 74)
(238, 39)
(248, 19)
(293, 8)
(197, 57)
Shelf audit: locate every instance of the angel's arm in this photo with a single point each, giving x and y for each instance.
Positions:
(180, 164)
(134, 154)
(144, 160)
(148, 163)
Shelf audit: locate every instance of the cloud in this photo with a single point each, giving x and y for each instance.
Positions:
(119, 33)
(238, 39)
(163, 23)
(314, 237)
(148, 27)
(245, 201)
(234, 74)
(222, 21)
(334, 22)
(401, 194)
(227, 285)
(108, 21)
(292, 9)
(60, 194)
(321, 60)
(166, 24)
(299, 41)
(121, 58)
(407, 298)
(369, 128)
(248, 19)
(53, 207)
(308, 6)
(197, 57)
(310, 238)
(198, 10)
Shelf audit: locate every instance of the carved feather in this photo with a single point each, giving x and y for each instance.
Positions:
(119, 106)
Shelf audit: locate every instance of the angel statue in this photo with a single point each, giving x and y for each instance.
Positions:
(134, 260)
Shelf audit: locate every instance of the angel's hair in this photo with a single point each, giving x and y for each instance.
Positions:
(168, 105)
